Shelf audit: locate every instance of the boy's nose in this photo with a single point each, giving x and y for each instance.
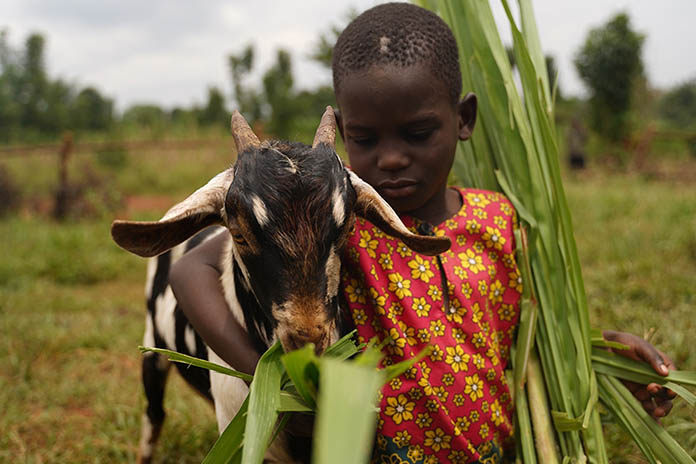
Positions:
(392, 159)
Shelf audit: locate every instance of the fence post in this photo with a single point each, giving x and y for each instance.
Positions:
(63, 193)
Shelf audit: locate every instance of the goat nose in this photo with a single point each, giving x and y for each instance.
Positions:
(302, 337)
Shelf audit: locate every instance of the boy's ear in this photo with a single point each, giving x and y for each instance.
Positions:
(466, 108)
(339, 122)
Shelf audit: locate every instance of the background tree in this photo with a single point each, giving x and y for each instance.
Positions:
(148, 117)
(679, 105)
(60, 96)
(214, 112)
(34, 83)
(9, 88)
(278, 93)
(610, 63)
(248, 101)
(34, 106)
(91, 111)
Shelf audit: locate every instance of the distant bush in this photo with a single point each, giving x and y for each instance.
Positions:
(679, 105)
(94, 194)
(113, 156)
(9, 193)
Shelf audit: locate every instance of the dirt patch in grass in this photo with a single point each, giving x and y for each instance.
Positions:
(143, 203)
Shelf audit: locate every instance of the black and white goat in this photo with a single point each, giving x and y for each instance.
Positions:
(288, 209)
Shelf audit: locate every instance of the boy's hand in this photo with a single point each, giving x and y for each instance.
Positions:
(656, 399)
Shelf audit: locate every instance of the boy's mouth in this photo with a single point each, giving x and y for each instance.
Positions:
(397, 188)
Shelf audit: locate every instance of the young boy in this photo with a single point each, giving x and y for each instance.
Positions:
(398, 85)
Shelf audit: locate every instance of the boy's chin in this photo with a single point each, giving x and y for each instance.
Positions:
(399, 195)
(405, 204)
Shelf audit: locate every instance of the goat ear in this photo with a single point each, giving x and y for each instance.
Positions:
(201, 209)
(371, 206)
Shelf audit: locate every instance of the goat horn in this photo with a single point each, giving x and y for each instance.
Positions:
(326, 132)
(243, 136)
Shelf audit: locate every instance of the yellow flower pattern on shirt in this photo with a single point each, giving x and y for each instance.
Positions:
(454, 405)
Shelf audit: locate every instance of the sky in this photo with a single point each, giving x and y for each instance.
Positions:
(168, 52)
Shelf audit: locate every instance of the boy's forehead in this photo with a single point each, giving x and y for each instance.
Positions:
(390, 87)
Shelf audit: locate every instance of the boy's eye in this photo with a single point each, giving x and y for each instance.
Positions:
(365, 141)
(419, 135)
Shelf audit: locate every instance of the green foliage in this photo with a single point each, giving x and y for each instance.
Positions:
(551, 68)
(679, 105)
(214, 112)
(35, 106)
(91, 111)
(145, 116)
(249, 101)
(34, 82)
(9, 76)
(278, 93)
(609, 63)
(300, 381)
(64, 113)
(286, 112)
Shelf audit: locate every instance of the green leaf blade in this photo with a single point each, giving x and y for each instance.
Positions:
(264, 402)
(348, 440)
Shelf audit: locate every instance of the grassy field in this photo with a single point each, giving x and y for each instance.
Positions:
(72, 306)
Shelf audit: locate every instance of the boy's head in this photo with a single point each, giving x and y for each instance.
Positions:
(397, 83)
(398, 34)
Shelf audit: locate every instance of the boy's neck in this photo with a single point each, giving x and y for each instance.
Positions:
(440, 208)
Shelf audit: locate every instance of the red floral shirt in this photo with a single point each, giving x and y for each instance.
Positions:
(455, 404)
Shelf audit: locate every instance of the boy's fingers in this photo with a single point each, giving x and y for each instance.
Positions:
(659, 391)
(655, 399)
(649, 406)
(663, 408)
(652, 356)
(667, 360)
(653, 388)
(641, 350)
(643, 395)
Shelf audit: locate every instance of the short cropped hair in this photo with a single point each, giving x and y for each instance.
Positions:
(398, 34)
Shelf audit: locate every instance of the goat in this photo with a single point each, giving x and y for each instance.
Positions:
(289, 209)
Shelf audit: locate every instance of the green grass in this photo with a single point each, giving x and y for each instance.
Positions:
(637, 244)
(134, 171)
(72, 316)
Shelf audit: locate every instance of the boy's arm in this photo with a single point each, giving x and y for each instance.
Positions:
(195, 280)
(656, 399)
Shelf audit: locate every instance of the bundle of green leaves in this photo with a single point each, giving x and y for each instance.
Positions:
(302, 382)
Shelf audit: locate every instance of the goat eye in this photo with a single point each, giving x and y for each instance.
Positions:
(239, 239)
